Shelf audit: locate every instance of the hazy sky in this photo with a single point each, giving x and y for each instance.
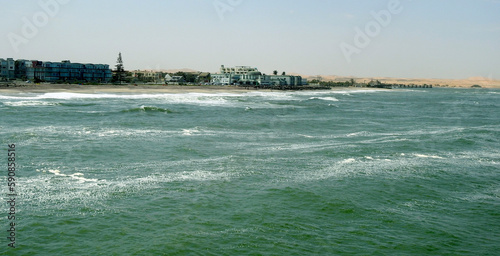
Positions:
(390, 38)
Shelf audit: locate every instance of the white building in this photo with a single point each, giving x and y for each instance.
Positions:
(147, 75)
(238, 70)
(174, 79)
(243, 75)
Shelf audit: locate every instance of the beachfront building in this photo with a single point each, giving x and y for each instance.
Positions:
(203, 78)
(224, 79)
(64, 71)
(147, 76)
(243, 75)
(7, 69)
(175, 80)
(238, 70)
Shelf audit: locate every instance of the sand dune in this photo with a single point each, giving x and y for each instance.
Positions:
(458, 83)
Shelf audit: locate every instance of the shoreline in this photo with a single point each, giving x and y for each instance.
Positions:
(145, 89)
(127, 88)
(141, 88)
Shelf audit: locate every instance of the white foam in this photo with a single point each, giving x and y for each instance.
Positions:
(359, 91)
(347, 161)
(428, 156)
(324, 98)
(55, 189)
(80, 178)
(202, 176)
(298, 95)
(69, 95)
(393, 168)
(152, 179)
(29, 103)
(58, 95)
(56, 172)
(282, 95)
(5, 97)
(262, 99)
(489, 194)
(306, 136)
(355, 134)
(77, 176)
(189, 132)
(94, 132)
(203, 98)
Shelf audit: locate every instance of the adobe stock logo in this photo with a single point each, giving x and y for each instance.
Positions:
(31, 27)
(372, 29)
(224, 6)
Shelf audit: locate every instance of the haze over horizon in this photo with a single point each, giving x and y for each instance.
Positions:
(453, 39)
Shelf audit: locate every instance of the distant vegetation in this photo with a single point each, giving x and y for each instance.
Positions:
(371, 84)
(188, 77)
(352, 83)
(119, 74)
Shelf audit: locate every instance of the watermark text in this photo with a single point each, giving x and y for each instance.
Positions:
(372, 29)
(222, 7)
(11, 194)
(31, 27)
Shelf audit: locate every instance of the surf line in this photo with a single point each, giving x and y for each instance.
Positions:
(11, 195)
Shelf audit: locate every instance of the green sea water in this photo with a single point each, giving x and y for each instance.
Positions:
(389, 172)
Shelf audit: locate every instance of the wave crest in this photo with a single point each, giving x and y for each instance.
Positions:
(148, 109)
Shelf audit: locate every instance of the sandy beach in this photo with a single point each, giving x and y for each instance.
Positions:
(129, 88)
(141, 88)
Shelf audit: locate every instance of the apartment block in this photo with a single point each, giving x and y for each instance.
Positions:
(243, 75)
(46, 71)
(7, 69)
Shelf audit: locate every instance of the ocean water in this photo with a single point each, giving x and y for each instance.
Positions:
(355, 172)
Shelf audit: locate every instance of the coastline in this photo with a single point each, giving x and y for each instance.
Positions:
(486, 83)
(150, 89)
(126, 88)
(141, 88)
